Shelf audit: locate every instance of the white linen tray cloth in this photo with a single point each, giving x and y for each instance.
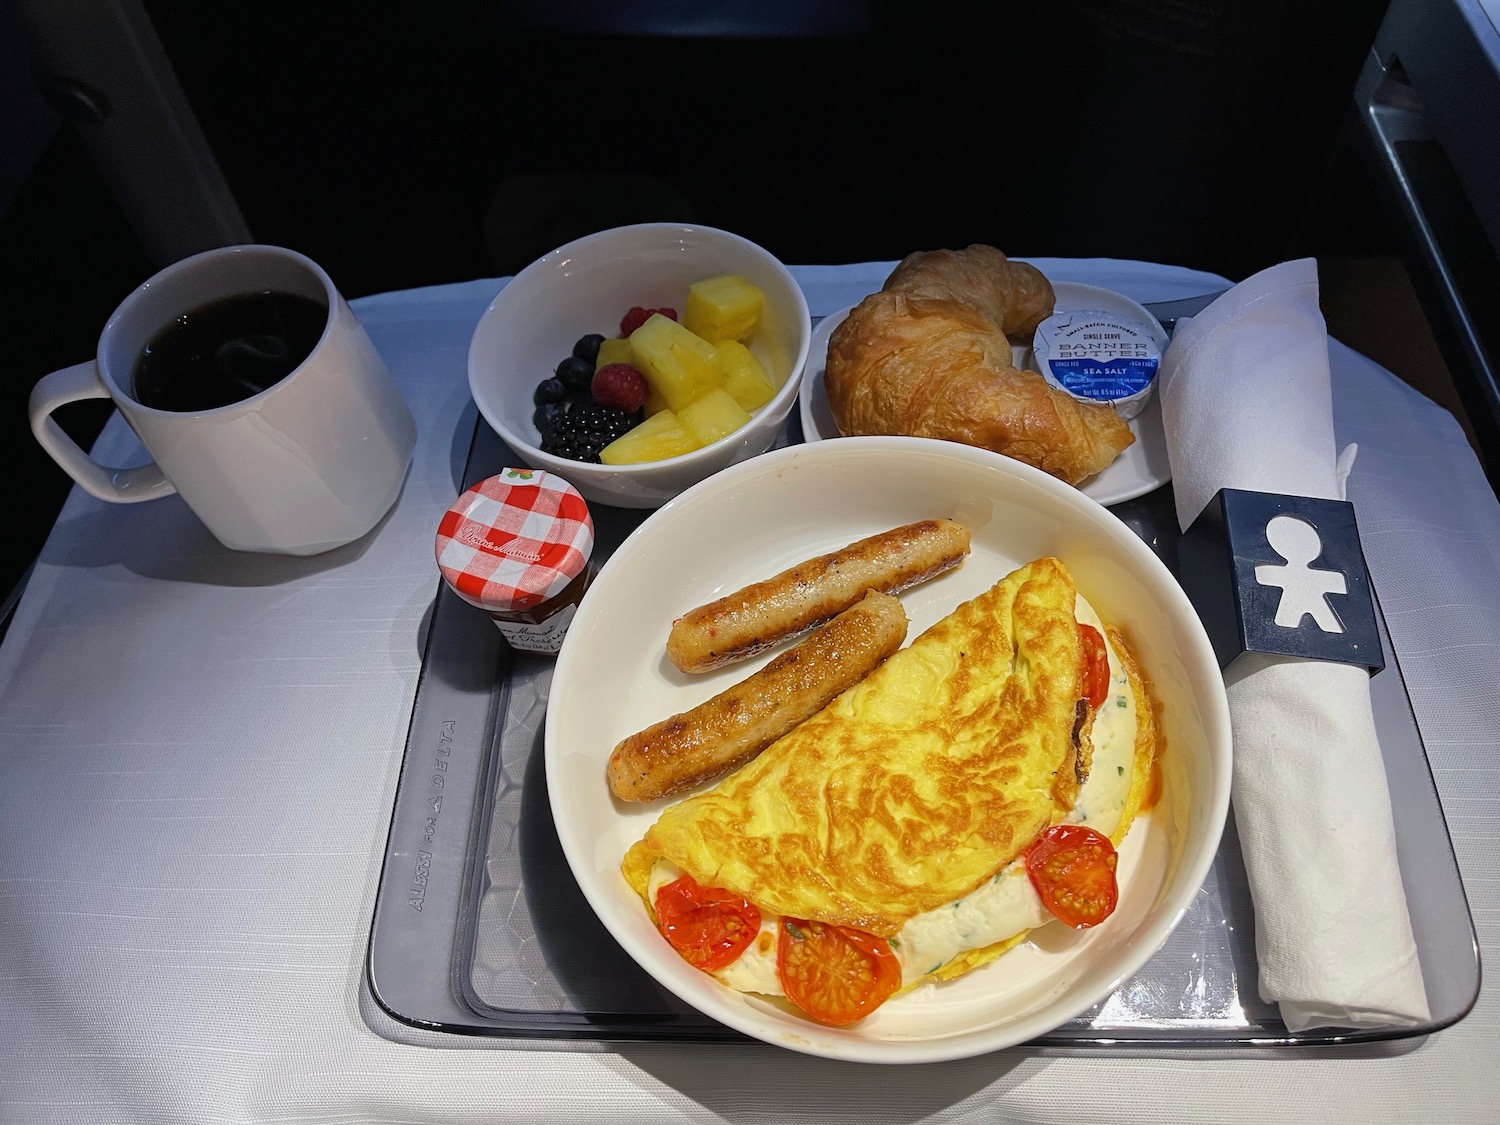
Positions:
(199, 750)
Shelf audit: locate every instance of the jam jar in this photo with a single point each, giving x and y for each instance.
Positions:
(518, 545)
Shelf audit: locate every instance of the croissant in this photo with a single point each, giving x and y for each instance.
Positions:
(930, 356)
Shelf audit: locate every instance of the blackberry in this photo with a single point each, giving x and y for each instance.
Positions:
(585, 429)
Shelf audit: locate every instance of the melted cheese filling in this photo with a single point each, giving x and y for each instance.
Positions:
(1006, 905)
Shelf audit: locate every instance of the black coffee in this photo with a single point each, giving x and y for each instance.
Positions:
(227, 351)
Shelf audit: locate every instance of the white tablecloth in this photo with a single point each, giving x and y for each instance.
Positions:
(199, 751)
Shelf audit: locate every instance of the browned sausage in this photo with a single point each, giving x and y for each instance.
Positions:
(765, 613)
(734, 726)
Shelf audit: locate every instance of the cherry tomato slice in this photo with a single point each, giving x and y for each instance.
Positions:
(1095, 666)
(1073, 868)
(709, 927)
(835, 974)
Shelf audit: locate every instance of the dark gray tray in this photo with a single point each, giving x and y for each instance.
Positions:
(481, 930)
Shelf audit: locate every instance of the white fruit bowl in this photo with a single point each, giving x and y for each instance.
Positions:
(587, 286)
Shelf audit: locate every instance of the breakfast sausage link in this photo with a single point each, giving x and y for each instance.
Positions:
(734, 726)
(753, 619)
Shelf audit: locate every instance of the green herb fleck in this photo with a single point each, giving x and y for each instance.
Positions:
(1120, 770)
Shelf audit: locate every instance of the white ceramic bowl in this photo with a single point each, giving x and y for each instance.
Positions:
(587, 286)
(749, 522)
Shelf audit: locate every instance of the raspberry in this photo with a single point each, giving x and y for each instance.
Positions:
(638, 316)
(619, 385)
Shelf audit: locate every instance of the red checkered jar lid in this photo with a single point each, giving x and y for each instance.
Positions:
(515, 540)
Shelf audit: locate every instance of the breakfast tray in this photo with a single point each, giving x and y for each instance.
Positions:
(480, 929)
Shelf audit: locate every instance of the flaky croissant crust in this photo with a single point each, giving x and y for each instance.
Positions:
(930, 356)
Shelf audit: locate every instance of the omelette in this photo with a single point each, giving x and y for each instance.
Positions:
(968, 790)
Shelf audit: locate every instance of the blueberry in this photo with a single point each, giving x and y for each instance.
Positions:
(576, 373)
(547, 415)
(549, 390)
(588, 347)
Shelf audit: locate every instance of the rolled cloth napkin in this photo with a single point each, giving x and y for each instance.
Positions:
(1246, 403)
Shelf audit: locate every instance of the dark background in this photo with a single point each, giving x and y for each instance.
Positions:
(405, 145)
(1173, 130)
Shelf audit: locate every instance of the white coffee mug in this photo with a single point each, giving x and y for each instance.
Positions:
(308, 464)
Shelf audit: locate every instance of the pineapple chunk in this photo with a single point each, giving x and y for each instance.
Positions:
(712, 416)
(723, 308)
(616, 350)
(744, 378)
(659, 436)
(677, 363)
(654, 403)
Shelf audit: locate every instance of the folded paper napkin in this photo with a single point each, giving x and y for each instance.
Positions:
(1246, 404)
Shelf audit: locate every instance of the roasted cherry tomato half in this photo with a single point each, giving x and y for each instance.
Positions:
(1073, 868)
(835, 974)
(709, 927)
(1095, 666)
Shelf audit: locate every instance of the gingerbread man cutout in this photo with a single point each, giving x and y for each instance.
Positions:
(1304, 590)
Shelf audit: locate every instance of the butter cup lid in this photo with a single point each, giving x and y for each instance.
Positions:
(514, 540)
(1097, 355)
(1100, 354)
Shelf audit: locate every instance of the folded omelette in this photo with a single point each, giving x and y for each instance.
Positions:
(885, 841)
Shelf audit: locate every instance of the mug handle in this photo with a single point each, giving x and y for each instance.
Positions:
(121, 486)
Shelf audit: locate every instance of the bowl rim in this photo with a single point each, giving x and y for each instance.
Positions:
(781, 401)
(1189, 870)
